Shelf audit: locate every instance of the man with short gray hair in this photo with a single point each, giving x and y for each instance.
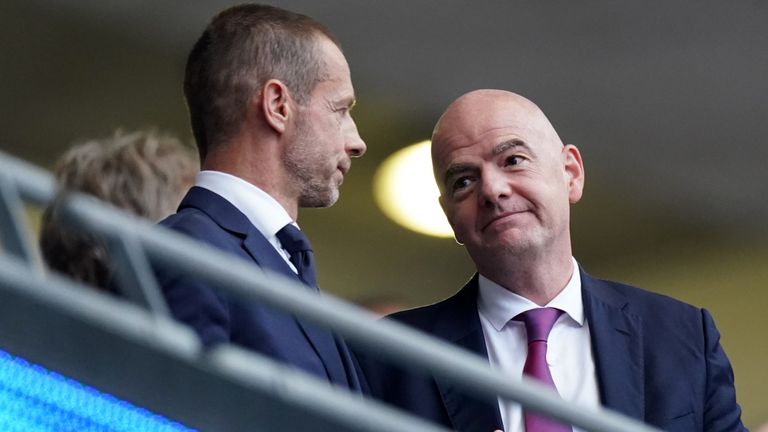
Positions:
(270, 97)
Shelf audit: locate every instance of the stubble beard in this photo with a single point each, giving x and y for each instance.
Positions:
(315, 190)
(318, 196)
(509, 250)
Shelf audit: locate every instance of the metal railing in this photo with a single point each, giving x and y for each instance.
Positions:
(136, 243)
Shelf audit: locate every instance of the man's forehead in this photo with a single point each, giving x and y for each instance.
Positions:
(332, 59)
(337, 86)
(488, 122)
(487, 142)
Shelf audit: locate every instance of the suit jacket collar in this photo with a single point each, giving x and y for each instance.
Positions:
(228, 217)
(459, 323)
(617, 342)
(261, 208)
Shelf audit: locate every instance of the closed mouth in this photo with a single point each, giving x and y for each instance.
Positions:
(501, 216)
(343, 168)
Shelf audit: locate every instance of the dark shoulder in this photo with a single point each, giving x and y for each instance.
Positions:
(188, 219)
(638, 296)
(455, 311)
(655, 310)
(197, 224)
(420, 317)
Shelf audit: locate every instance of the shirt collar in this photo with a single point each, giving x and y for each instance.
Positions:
(499, 305)
(263, 211)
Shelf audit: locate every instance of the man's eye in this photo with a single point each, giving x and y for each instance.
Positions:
(461, 183)
(514, 160)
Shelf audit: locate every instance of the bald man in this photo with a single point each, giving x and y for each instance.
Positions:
(507, 182)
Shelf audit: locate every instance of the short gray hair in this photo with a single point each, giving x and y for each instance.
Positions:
(241, 49)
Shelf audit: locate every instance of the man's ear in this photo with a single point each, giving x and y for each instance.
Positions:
(275, 102)
(574, 169)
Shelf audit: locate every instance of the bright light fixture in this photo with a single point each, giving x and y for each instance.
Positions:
(406, 192)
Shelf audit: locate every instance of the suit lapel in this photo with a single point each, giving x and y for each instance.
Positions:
(617, 342)
(321, 340)
(460, 324)
(217, 208)
(264, 254)
(228, 217)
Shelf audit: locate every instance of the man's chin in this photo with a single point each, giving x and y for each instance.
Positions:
(320, 199)
(512, 241)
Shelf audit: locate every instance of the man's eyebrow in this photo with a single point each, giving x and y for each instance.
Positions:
(506, 145)
(348, 102)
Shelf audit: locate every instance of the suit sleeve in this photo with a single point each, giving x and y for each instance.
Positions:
(721, 412)
(190, 299)
(198, 305)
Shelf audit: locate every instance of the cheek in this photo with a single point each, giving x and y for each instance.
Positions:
(543, 193)
(557, 204)
(462, 218)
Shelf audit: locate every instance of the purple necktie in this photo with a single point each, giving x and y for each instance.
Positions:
(538, 324)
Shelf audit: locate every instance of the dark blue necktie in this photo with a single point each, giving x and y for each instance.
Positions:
(296, 243)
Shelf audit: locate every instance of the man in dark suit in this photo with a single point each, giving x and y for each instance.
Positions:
(269, 96)
(507, 183)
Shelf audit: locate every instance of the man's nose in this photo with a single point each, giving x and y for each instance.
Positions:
(355, 145)
(494, 187)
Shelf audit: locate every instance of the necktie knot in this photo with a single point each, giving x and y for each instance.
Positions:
(539, 322)
(293, 240)
(297, 245)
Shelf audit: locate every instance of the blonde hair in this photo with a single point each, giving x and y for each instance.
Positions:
(144, 172)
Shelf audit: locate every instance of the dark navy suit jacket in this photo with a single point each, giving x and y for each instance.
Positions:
(657, 360)
(217, 318)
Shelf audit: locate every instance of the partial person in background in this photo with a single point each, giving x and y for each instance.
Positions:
(270, 96)
(144, 173)
(507, 182)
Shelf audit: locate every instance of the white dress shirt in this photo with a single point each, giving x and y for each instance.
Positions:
(569, 349)
(264, 212)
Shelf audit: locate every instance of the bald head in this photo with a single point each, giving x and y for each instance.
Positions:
(507, 183)
(480, 112)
